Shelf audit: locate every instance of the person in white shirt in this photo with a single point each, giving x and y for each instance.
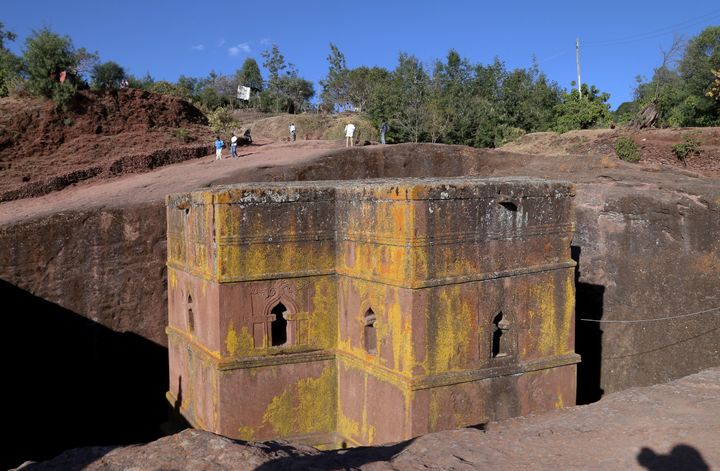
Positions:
(349, 131)
(292, 131)
(233, 146)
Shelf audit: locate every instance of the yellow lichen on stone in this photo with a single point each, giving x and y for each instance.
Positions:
(448, 336)
(400, 335)
(552, 338)
(231, 341)
(564, 346)
(280, 414)
(246, 433)
(315, 400)
(434, 409)
(347, 427)
(323, 321)
(240, 344)
(305, 407)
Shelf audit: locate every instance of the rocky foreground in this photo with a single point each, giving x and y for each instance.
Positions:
(673, 426)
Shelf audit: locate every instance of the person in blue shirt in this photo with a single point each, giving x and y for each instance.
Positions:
(219, 144)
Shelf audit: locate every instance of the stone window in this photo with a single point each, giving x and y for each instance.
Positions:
(190, 315)
(501, 341)
(509, 206)
(278, 326)
(370, 334)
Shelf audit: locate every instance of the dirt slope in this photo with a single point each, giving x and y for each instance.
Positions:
(315, 126)
(102, 136)
(655, 146)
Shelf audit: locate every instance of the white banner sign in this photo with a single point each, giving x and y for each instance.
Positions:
(243, 93)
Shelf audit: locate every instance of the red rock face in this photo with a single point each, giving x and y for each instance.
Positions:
(356, 313)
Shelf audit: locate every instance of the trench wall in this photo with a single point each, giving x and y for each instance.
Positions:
(644, 252)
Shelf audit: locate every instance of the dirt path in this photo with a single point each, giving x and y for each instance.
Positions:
(154, 185)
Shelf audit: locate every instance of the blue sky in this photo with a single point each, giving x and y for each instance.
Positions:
(619, 39)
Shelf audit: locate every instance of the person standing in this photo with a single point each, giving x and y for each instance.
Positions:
(349, 131)
(292, 131)
(384, 128)
(233, 146)
(219, 144)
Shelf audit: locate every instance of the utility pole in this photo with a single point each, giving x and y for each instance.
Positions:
(577, 59)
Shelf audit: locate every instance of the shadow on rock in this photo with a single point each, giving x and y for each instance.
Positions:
(588, 335)
(681, 457)
(339, 459)
(71, 382)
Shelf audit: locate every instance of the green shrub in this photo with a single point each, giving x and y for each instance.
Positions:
(107, 76)
(626, 150)
(183, 134)
(689, 146)
(506, 134)
(221, 121)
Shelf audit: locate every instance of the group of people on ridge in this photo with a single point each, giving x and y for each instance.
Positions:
(349, 133)
(349, 138)
(220, 144)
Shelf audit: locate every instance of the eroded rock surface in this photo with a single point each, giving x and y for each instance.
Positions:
(668, 426)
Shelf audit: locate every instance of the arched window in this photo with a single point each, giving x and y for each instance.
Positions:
(500, 336)
(278, 327)
(369, 334)
(190, 315)
(510, 206)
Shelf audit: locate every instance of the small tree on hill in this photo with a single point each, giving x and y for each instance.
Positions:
(589, 111)
(335, 85)
(275, 64)
(107, 76)
(49, 56)
(249, 75)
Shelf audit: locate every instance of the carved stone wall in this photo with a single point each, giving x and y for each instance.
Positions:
(367, 312)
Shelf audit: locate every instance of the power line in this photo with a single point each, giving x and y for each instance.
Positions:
(654, 33)
(634, 321)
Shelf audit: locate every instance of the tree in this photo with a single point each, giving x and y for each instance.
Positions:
(701, 57)
(187, 87)
(10, 65)
(714, 91)
(47, 56)
(362, 83)
(107, 76)
(529, 99)
(5, 35)
(410, 82)
(679, 88)
(274, 62)
(335, 85)
(590, 110)
(143, 83)
(249, 75)
(297, 92)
